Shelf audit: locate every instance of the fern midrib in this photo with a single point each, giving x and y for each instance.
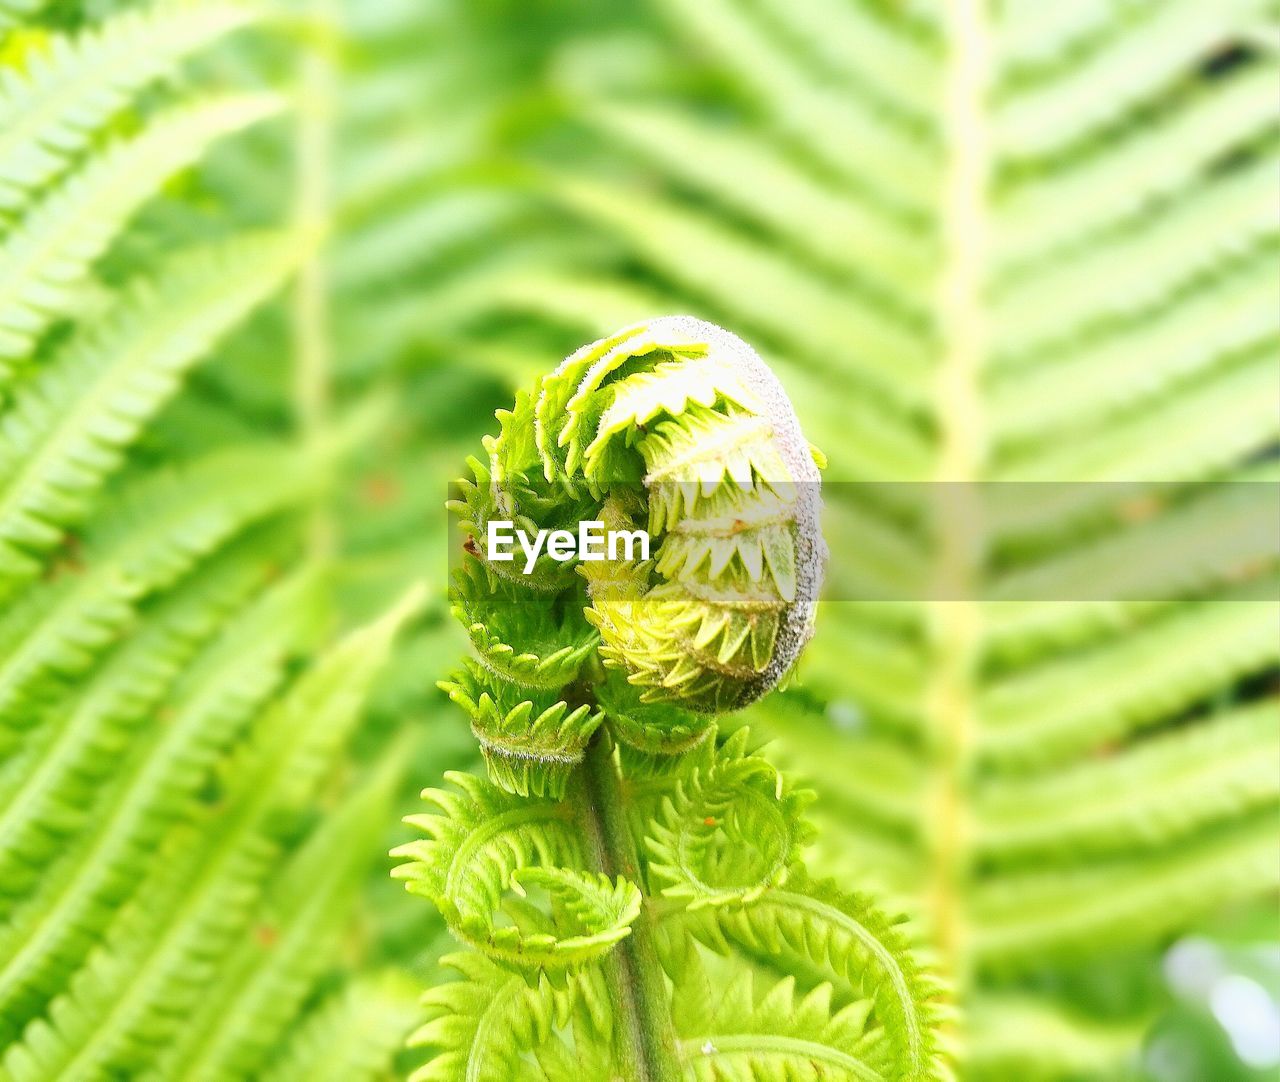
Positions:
(913, 1037)
(310, 312)
(950, 695)
(810, 1053)
(493, 1015)
(459, 870)
(647, 1040)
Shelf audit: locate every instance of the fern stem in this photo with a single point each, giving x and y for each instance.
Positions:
(637, 983)
(312, 393)
(955, 614)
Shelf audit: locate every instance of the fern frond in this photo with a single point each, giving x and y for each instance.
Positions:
(398, 247)
(104, 864)
(785, 1035)
(1023, 920)
(1119, 76)
(1152, 163)
(294, 937)
(49, 806)
(699, 254)
(647, 730)
(725, 449)
(1210, 230)
(68, 427)
(882, 673)
(73, 85)
(1155, 794)
(868, 150)
(1035, 43)
(1016, 1037)
(529, 648)
(527, 641)
(729, 830)
(676, 424)
(1153, 672)
(1205, 539)
(848, 939)
(120, 1008)
(988, 243)
(484, 1024)
(45, 259)
(163, 525)
(887, 449)
(1217, 423)
(156, 828)
(531, 739)
(878, 785)
(351, 1037)
(1199, 336)
(896, 60)
(785, 199)
(484, 842)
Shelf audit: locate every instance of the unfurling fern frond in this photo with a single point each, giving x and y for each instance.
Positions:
(1004, 249)
(777, 1033)
(488, 1020)
(729, 828)
(676, 427)
(621, 852)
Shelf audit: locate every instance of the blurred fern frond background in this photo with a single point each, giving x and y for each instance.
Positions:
(266, 269)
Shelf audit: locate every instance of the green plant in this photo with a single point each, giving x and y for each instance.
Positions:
(622, 860)
(982, 244)
(185, 831)
(1013, 242)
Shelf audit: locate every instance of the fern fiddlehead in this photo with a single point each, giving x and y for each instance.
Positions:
(621, 857)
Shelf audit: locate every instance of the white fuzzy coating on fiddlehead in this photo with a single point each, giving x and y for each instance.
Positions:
(675, 635)
(811, 549)
(678, 426)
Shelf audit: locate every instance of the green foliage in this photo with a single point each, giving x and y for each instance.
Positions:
(1023, 242)
(186, 829)
(67, 427)
(980, 244)
(621, 858)
(50, 249)
(74, 85)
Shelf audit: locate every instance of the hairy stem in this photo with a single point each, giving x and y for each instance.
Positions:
(637, 984)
